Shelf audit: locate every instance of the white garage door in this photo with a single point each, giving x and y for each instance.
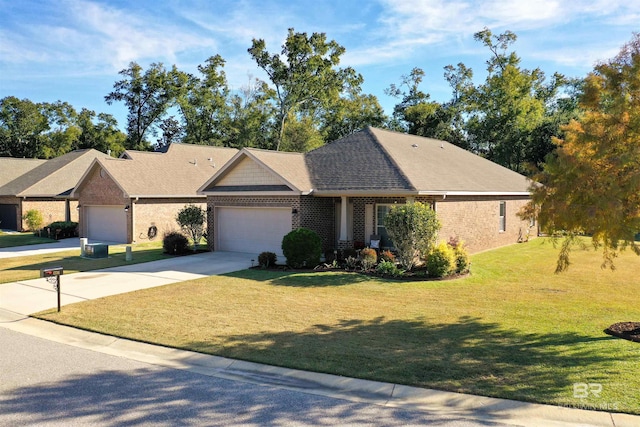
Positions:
(106, 223)
(252, 230)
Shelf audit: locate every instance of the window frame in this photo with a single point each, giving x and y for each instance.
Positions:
(502, 217)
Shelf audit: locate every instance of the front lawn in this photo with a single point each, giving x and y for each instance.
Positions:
(10, 240)
(511, 329)
(28, 267)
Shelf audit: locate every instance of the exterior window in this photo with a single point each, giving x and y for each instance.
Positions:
(503, 216)
(381, 213)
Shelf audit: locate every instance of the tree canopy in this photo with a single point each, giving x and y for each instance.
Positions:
(591, 183)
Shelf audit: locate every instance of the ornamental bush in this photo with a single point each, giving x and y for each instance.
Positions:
(413, 229)
(441, 261)
(368, 258)
(175, 243)
(267, 259)
(302, 248)
(33, 218)
(389, 268)
(63, 229)
(461, 256)
(192, 219)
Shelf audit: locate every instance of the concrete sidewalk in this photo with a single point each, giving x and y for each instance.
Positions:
(44, 248)
(18, 300)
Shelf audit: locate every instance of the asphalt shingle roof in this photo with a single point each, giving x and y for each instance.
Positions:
(54, 177)
(178, 172)
(12, 168)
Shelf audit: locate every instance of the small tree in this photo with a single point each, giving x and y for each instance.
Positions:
(413, 229)
(191, 219)
(33, 218)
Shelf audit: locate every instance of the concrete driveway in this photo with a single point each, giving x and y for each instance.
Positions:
(31, 296)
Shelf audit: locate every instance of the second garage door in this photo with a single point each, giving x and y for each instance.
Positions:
(252, 230)
(106, 223)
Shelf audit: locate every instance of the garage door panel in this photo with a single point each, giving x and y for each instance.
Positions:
(106, 223)
(252, 230)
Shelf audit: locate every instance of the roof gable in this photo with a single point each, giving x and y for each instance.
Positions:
(254, 170)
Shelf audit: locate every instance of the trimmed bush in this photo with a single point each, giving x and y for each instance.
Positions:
(63, 229)
(368, 258)
(33, 218)
(267, 259)
(302, 248)
(175, 243)
(441, 261)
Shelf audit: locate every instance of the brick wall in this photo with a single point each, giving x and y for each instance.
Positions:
(476, 221)
(317, 214)
(249, 201)
(51, 210)
(160, 213)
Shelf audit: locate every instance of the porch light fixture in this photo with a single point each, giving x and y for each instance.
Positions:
(126, 208)
(294, 211)
(78, 207)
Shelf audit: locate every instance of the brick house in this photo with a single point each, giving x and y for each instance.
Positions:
(136, 197)
(43, 185)
(344, 189)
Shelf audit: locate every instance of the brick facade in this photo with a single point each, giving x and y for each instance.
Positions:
(158, 213)
(476, 220)
(52, 210)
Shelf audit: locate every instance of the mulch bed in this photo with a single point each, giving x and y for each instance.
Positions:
(627, 330)
(409, 277)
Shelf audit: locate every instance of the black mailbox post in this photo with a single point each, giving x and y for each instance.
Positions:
(52, 274)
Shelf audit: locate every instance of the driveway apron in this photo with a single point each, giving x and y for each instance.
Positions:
(31, 296)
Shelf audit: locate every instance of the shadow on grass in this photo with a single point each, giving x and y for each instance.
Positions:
(468, 356)
(302, 279)
(71, 263)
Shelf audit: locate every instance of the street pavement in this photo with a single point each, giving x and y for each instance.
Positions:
(55, 375)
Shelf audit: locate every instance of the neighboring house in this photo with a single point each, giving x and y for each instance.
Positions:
(344, 189)
(43, 185)
(136, 198)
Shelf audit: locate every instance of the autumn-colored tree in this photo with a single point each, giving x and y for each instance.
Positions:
(591, 185)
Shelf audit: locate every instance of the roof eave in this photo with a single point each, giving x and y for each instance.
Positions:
(255, 193)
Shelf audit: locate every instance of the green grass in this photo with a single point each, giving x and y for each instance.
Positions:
(28, 267)
(512, 329)
(10, 240)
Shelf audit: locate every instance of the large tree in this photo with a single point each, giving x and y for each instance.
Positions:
(22, 127)
(592, 182)
(305, 76)
(147, 95)
(203, 101)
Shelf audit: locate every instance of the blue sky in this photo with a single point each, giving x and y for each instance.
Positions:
(72, 50)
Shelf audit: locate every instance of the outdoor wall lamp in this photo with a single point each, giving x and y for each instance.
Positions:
(78, 207)
(126, 208)
(294, 211)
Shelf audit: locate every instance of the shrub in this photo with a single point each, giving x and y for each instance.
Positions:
(387, 255)
(63, 229)
(413, 229)
(33, 218)
(267, 259)
(191, 219)
(368, 257)
(175, 243)
(302, 248)
(441, 261)
(460, 254)
(389, 268)
(351, 263)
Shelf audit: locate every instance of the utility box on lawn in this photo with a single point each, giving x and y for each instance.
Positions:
(96, 250)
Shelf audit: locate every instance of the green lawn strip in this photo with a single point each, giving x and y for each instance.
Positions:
(28, 267)
(512, 329)
(10, 240)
